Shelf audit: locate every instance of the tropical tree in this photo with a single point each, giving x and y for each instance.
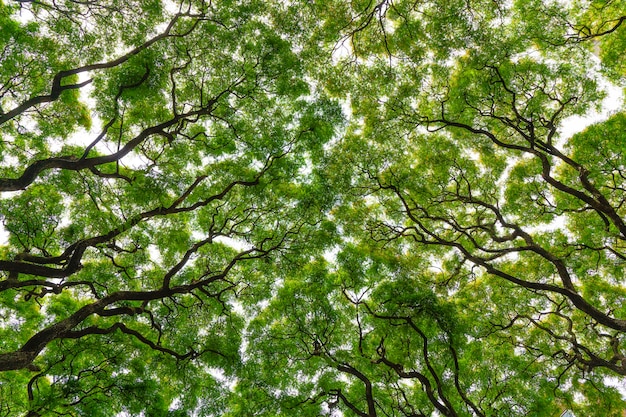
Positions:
(311, 208)
(153, 154)
(466, 196)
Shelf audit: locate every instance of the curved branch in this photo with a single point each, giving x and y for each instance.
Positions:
(71, 163)
(369, 395)
(576, 299)
(93, 330)
(23, 357)
(58, 87)
(34, 265)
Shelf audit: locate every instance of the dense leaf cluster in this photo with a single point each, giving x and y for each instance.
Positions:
(279, 208)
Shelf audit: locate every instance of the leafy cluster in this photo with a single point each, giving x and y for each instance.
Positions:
(270, 208)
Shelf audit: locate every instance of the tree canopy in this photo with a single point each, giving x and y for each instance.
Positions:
(312, 208)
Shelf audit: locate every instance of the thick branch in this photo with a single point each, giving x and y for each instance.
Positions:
(58, 88)
(573, 296)
(34, 265)
(369, 395)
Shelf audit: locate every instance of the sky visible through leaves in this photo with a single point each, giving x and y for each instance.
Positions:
(312, 208)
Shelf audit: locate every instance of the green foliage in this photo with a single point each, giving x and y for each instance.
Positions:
(269, 208)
